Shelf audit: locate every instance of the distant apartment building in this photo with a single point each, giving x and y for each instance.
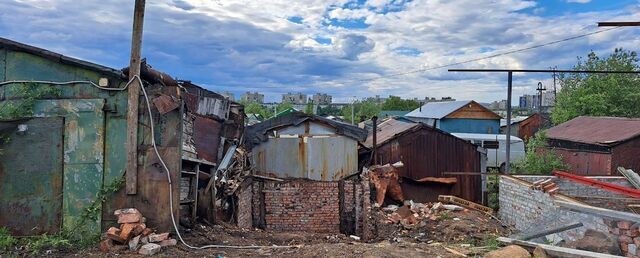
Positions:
(498, 105)
(229, 95)
(531, 102)
(294, 98)
(252, 97)
(548, 99)
(321, 99)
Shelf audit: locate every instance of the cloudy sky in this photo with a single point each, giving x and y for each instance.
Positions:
(341, 47)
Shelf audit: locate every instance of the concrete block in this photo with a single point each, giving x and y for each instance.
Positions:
(149, 249)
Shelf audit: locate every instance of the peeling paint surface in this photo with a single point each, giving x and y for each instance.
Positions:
(31, 179)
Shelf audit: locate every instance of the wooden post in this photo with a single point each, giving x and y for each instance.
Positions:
(132, 103)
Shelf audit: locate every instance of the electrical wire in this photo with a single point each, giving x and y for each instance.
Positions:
(488, 57)
(66, 83)
(170, 183)
(155, 148)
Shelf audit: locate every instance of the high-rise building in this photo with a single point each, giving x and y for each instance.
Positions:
(294, 98)
(252, 97)
(321, 99)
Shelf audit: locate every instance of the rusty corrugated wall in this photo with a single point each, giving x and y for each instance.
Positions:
(309, 150)
(428, 152)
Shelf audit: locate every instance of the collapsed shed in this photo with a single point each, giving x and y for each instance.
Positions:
(596, 146)
(431, 159)
(57, 159)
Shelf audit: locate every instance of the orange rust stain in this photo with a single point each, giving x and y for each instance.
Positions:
(302, 156)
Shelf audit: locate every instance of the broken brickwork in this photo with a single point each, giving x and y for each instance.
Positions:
(305, 205)
(529, 210)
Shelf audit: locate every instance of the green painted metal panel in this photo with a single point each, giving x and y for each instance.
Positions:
(83, 153)
(3, 62)
(31, 179)
(23, 66)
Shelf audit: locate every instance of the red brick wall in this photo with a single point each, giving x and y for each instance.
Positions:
(244, 211)
(312, 206)
(302, 205)
(628, 237)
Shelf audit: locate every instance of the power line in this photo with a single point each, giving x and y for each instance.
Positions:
(488, 57)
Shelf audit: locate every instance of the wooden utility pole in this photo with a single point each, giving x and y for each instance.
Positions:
(133, 101)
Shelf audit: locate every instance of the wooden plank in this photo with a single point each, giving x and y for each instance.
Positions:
(194, 211)
(556, 251)
(133, 100)
(465, 203)
(442, 180)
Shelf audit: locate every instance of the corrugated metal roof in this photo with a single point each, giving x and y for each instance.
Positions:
(257, 133)
(388, 129)
(438, 110)
(596, 130)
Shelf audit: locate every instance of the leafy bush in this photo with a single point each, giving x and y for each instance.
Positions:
(539, 159)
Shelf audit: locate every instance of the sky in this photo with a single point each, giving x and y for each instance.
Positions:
(343, 48)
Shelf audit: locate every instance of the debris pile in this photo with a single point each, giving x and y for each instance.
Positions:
(386, 181)
(414, 214)
(134, 234)
(436, 222)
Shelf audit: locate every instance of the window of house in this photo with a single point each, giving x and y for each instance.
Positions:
(490, 144)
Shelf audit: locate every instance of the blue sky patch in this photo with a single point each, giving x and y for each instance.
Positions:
(295, 19)
(408, 51)
(323, 40)
(349, 23)
(549, 8)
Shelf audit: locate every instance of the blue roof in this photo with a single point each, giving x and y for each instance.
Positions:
(437, 110)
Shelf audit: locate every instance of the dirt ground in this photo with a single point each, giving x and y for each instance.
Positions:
(468, 232)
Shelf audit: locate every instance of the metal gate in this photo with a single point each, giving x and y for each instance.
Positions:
(31, 175)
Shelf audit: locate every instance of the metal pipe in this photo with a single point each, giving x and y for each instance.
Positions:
(375, 140)
(507, 166)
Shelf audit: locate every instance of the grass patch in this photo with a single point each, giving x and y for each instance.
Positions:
(444, 216)
(492, 243)
(46, 242)
(6, 239)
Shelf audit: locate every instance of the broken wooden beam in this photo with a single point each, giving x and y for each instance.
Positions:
(442, 180)
(465, 203)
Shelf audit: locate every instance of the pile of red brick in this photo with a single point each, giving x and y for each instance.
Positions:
(628, 234)
(134, 234)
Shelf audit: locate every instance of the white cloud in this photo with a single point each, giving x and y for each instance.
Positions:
(250, 45)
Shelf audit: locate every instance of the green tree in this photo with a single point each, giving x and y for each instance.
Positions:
(600, 94)
(255, 108)
(539, 159)
(366, 109)
(397, 103)
(309, 108)
(329, 110)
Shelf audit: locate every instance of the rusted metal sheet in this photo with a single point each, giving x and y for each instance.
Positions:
(165, 103)
(605, 131)
(586, 163)
(208, 106)
(31, 179)
(206, 134)
(428, 152)
(296, 152)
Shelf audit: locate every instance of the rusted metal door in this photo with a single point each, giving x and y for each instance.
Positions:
(31, 175)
